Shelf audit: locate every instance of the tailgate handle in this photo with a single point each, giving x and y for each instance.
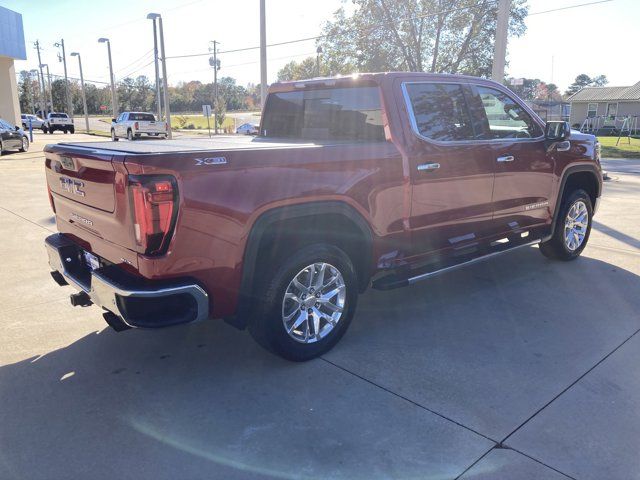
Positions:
(428, 167)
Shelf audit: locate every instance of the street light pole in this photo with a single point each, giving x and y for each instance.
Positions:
(263, 54)
(318, 52)
(500, 45)
(49, 84)
(114, 106)
(152, 16)
(164, 79)
(66, 79)
(216, 67)
(84, 97)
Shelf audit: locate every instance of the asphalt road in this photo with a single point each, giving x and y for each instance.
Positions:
(520, 368)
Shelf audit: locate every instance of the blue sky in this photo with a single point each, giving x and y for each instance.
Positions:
(596, 39)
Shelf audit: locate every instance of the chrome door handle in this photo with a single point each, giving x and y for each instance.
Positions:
(506, 158)
(428, 167)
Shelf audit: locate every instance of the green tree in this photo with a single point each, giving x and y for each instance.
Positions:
(452, 36)
(307, 68)
(583, 80)
(28, 92)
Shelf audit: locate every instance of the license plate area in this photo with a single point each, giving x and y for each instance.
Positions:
(90, 260)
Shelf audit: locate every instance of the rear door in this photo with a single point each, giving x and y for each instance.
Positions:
(523, 168)
(451, 177)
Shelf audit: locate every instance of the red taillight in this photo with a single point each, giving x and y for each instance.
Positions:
(153, 200)
(135, 125)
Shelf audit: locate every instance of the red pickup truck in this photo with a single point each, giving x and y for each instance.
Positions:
(370, 180)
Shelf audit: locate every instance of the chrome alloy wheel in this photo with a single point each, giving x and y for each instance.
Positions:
(313, 302)
(575, 225)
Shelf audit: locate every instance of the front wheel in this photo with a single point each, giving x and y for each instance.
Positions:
(114, 138)
(25, 144)
(72, 130)
(572, 229)
(130, 135)
(305, 304)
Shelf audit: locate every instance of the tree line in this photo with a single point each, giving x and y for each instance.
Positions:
(139, 94)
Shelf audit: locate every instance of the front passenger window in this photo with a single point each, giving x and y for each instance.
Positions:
(506, 118)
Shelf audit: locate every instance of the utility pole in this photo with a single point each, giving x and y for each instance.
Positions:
(164, 79)
(66, 79)
(216, 66)
(49, 84)
(263, 54)
(153, 16)
(318, 52)
(114, 102)
(500, 45)
(84, 97)
(43, 106)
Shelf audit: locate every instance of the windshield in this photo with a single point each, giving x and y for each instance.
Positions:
(143, 117)
(353, 114)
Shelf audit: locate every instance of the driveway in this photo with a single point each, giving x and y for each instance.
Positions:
(518, 368)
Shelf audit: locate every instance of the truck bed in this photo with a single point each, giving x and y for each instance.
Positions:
(186, 145)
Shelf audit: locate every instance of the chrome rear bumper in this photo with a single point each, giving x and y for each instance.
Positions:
(138, 302)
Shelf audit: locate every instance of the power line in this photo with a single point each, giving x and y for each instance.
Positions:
(141, 58)
(427, 15)
(570, 6)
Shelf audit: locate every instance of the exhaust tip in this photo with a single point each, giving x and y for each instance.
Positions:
(115, 321)
(80, 299)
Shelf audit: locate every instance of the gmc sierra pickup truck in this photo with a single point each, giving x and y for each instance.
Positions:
(375, 180)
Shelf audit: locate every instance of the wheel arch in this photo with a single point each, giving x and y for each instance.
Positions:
(585, 176)
(349, 231)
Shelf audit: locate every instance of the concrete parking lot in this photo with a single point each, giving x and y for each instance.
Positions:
(518, 368)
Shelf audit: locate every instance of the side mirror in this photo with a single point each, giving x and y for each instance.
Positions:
(113, 120)
(17, 128)
(557, 131)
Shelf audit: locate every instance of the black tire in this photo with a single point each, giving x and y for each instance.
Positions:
(25, 144)
(1, 148)
(130, 135)
(266, 324)
(113, 136)
(44, 129)
(556, 248)
(65, 131)
(72, 130)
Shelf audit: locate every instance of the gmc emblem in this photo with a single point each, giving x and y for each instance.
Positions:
(72, 186)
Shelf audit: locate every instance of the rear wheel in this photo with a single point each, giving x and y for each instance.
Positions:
(572, 229)
(72, 130)
(65, 131)
(306, 303)
(113, 135)
(130, 135)
(25, 144)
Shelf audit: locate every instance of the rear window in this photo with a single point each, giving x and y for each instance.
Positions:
(58, 115)
(352, 114)
(142, 117)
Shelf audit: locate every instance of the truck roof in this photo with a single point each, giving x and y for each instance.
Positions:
(370, 78)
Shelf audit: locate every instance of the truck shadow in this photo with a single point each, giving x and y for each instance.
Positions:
(205, 401)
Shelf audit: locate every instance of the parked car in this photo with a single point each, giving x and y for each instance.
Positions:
(378, 180)
(132, 125)
(36, 122)
(12, 137)
(248, 129)
(59, 121)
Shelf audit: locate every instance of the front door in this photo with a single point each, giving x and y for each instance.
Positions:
(523, 168)
(451, 177)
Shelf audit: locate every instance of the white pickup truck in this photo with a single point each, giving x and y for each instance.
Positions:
(58, 121)
(132, 125)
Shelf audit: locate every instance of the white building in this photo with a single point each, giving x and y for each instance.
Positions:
(12, 48)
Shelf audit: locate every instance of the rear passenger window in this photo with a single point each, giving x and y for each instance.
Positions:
(440, 111)
(505, 117)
